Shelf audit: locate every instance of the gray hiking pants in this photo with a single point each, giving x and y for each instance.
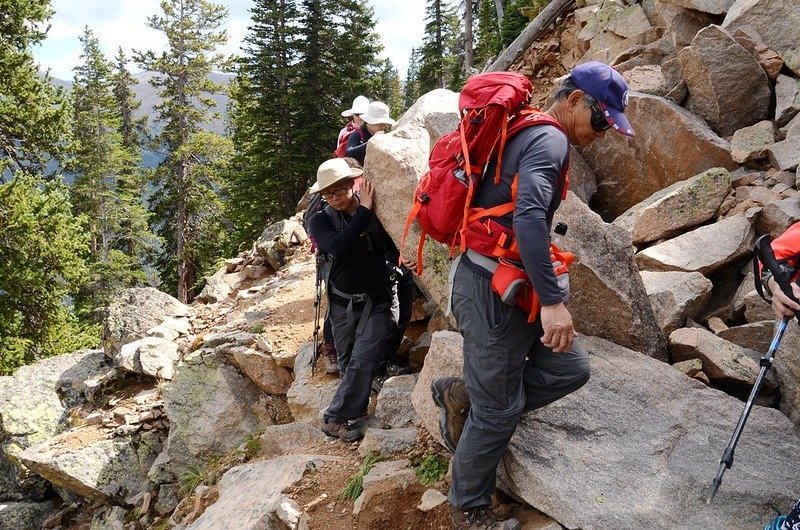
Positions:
(358, 366)
(507, 370)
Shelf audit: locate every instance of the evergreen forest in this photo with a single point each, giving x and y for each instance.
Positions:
(81, 218)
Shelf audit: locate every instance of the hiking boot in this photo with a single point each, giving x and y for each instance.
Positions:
(480, 518)
(451, 396)
(330, 359)
(341, 429)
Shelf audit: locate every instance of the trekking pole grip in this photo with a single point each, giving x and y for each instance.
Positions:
(764, 251)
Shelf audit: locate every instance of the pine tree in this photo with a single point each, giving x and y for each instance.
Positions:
(116, 220)
(261, 183)
(514, 22)
(34, 119)
(133, 129)
(357, 48)
(487, 46)
(411, 90)
(42, 246)
(192, 28)
(442, 49)
(388, 88)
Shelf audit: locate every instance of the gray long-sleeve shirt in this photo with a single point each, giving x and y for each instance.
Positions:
(538, 155)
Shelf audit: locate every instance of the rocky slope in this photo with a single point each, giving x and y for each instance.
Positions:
(206, 416)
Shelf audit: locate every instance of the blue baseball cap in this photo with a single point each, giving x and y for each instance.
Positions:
(609, 88)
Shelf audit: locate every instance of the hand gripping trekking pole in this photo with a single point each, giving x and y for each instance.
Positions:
(763, 252)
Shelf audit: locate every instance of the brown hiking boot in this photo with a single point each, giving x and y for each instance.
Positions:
(342, 430)
(330, 359)
(451, 396)
(480, 518)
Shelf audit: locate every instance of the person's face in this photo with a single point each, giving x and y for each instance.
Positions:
(587, 123)
(375, 128)
(357, 120)
(340, 195)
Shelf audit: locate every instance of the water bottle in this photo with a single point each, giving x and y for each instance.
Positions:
(560, 269)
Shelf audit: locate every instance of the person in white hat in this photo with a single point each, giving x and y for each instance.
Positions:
(362, 310)
(376, 118)
(359, 107)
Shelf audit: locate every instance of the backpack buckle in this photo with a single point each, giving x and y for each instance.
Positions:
(359, 298)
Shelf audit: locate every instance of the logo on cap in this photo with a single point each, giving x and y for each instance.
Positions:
(625, 99)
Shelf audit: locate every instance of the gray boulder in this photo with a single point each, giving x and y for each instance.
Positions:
(672, 210)
(755, 336)
(775, 20)
(787, 366)
(705, 249)
(251, 496)
(388, 441)
(785, 155)
(582, 180)
(33, 408)
(308, 395)
(721, 77)
(646, 457)
(676, 296)
(392, 402)
(436, 112)
(151, 356)
(260, 368)
(787, 99)
(725, 363)
(212, 408)
(777, 215)
(604, 280)
(87, 462)
(278, 239)
(714, 7)
(750, 143)
(133, 312)
(671, 145)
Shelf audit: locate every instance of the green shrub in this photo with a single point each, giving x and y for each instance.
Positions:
(431, 468)
(356, 483)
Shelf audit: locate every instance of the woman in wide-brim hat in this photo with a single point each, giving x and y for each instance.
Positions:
(376, 118)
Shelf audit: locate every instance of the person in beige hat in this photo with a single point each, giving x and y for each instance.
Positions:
(359, 107)
(362, 307)
(376, 118)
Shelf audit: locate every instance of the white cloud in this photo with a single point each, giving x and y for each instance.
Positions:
(123, 23)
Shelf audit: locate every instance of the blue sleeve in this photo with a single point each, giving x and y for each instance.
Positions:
(338, 244)
(539, 172)
(356, 146)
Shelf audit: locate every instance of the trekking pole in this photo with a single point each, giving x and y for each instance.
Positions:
(766, 363)
(764, 252)
(315, 334)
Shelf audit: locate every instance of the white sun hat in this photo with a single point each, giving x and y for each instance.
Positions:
(332, 171)
(359, 107)
(377, 114)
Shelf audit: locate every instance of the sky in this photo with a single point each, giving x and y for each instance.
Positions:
(123, 23)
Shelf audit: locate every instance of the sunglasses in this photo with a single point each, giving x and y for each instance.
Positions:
(338, 192)
(598, 120)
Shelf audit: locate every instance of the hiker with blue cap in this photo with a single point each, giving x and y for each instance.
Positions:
(515, 361)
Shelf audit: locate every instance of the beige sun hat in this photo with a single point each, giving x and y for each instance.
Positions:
(332, 171)
(377, 114)
(360, 105)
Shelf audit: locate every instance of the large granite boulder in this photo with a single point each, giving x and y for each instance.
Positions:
(721, 75)
(671, 145)
(750, 143)
(309, 394)
(582, 180)
(705, 249)
(133, 312)
(394, 164)
(251, 496)
(436, 112)
(676, 296)
(787, 366)
(777, 215)
(88, 462)
(636, 447)
(34, 404)
(151, 356)
(787, 99)
(785, 155)
(726, 364)
(674, 209)
(775, 20)
(605, 281)
(212, 409)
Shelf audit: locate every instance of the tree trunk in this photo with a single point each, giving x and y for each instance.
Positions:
(182, 231)
(500, 13)
(469, 52)
(537, 26)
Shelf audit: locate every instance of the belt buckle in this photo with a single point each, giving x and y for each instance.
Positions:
(360, 298)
